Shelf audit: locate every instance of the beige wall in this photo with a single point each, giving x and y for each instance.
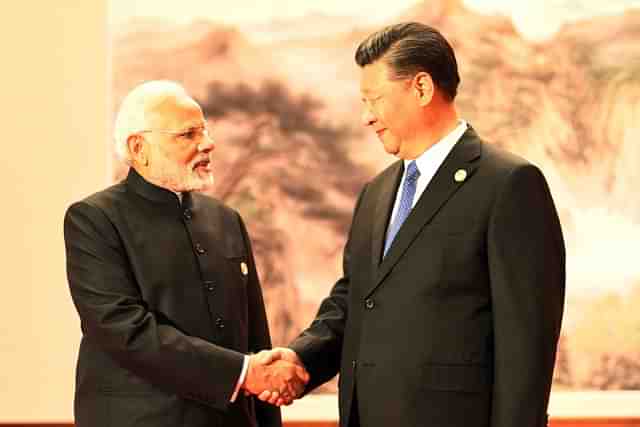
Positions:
(53, 110)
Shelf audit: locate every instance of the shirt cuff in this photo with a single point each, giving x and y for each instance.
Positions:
(243, 374)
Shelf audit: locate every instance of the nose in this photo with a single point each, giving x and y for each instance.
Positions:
(207, 144)
(367, 117)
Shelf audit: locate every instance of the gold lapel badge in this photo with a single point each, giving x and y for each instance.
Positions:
(243, 268)
(460, 175)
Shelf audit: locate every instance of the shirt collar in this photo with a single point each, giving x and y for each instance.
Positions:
(433, 156)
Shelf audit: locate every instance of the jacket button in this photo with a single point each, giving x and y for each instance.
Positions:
(369, 303)
(187, 214)
(200, 249)
(208, 285)
(220, 323)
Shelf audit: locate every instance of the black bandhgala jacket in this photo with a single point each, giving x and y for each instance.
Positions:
(169, 302)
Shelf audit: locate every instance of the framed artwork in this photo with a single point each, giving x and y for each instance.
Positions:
(558, 84)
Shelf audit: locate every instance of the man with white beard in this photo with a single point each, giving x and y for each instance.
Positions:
(165, 284)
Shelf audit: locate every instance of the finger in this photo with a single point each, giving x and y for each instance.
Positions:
(291, 385)
(292, 356)
(302, 373)
(265, 396)
(278, 353)
(296, 388)
(265, 357)
(284, 398)
(283, 402)
(288, 403)
(275, 396)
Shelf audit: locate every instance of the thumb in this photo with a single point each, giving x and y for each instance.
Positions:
(302, 373)
(266, 357)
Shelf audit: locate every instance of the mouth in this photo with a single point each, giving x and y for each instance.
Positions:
(379, 132)
(202, 164)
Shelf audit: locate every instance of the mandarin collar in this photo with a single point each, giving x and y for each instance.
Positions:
(151, 191)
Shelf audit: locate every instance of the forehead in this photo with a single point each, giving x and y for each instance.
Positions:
(373, 77)
(174, 112)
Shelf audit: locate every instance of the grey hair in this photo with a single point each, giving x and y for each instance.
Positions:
(131, 117)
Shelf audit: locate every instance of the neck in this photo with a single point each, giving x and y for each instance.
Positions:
(438, 123)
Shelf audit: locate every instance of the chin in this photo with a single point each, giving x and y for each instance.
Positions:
(391, 150)
(199, 182)
(391, 147)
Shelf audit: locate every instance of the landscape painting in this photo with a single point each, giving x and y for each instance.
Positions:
(559, 85)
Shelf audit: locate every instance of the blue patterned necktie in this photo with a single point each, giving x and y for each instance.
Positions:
(406, 202)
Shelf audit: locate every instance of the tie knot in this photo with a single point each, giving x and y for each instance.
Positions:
(412, 171)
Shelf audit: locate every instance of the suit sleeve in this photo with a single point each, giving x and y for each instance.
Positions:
(320, 345)
(259, 337)
(527, 268)
(115, 318)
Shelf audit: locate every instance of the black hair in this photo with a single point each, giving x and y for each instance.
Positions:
(409, 48)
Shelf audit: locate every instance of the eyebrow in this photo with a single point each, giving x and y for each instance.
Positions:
(194, 127)
(370, 95)
(375, 91)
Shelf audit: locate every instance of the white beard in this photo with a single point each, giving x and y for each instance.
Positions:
(178, 178)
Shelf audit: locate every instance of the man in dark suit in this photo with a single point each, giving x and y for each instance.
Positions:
(165, 284)
(449, 309)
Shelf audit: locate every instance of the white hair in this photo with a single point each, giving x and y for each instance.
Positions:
(131, 117)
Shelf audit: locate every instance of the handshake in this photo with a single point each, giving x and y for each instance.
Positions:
(276, 376)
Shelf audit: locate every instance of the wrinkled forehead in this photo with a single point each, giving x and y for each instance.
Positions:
(173, 112)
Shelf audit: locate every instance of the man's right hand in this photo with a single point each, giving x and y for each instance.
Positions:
(276, 376)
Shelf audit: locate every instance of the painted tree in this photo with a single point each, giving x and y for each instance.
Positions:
(282, 168)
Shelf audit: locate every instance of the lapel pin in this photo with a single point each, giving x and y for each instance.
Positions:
(243, 268)
(460, 175)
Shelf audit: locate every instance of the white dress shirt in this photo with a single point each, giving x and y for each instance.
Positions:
(243, 374)
(428, 164)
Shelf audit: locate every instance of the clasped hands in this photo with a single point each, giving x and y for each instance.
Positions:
(276, 376)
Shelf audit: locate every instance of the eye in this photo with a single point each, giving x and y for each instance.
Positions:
(372, 100)
(190, 135)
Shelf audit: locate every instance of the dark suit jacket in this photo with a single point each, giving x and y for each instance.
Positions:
(166, 309)
(458, 325)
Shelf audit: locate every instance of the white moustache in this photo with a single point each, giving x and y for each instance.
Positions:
(204, 160)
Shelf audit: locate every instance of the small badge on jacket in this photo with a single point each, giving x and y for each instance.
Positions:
(243, 268)
(460, 175)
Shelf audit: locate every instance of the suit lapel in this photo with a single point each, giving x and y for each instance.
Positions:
(384, 206)
(442, 186)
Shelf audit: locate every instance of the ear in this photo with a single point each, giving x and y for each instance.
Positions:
(424, 88)
(137, 149)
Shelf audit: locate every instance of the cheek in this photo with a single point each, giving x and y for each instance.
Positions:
(393, 112)
(393, 120)
(181, 155)
(403, 119)
(186, 157)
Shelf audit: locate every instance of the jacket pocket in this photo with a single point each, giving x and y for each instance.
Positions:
(468, 378)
